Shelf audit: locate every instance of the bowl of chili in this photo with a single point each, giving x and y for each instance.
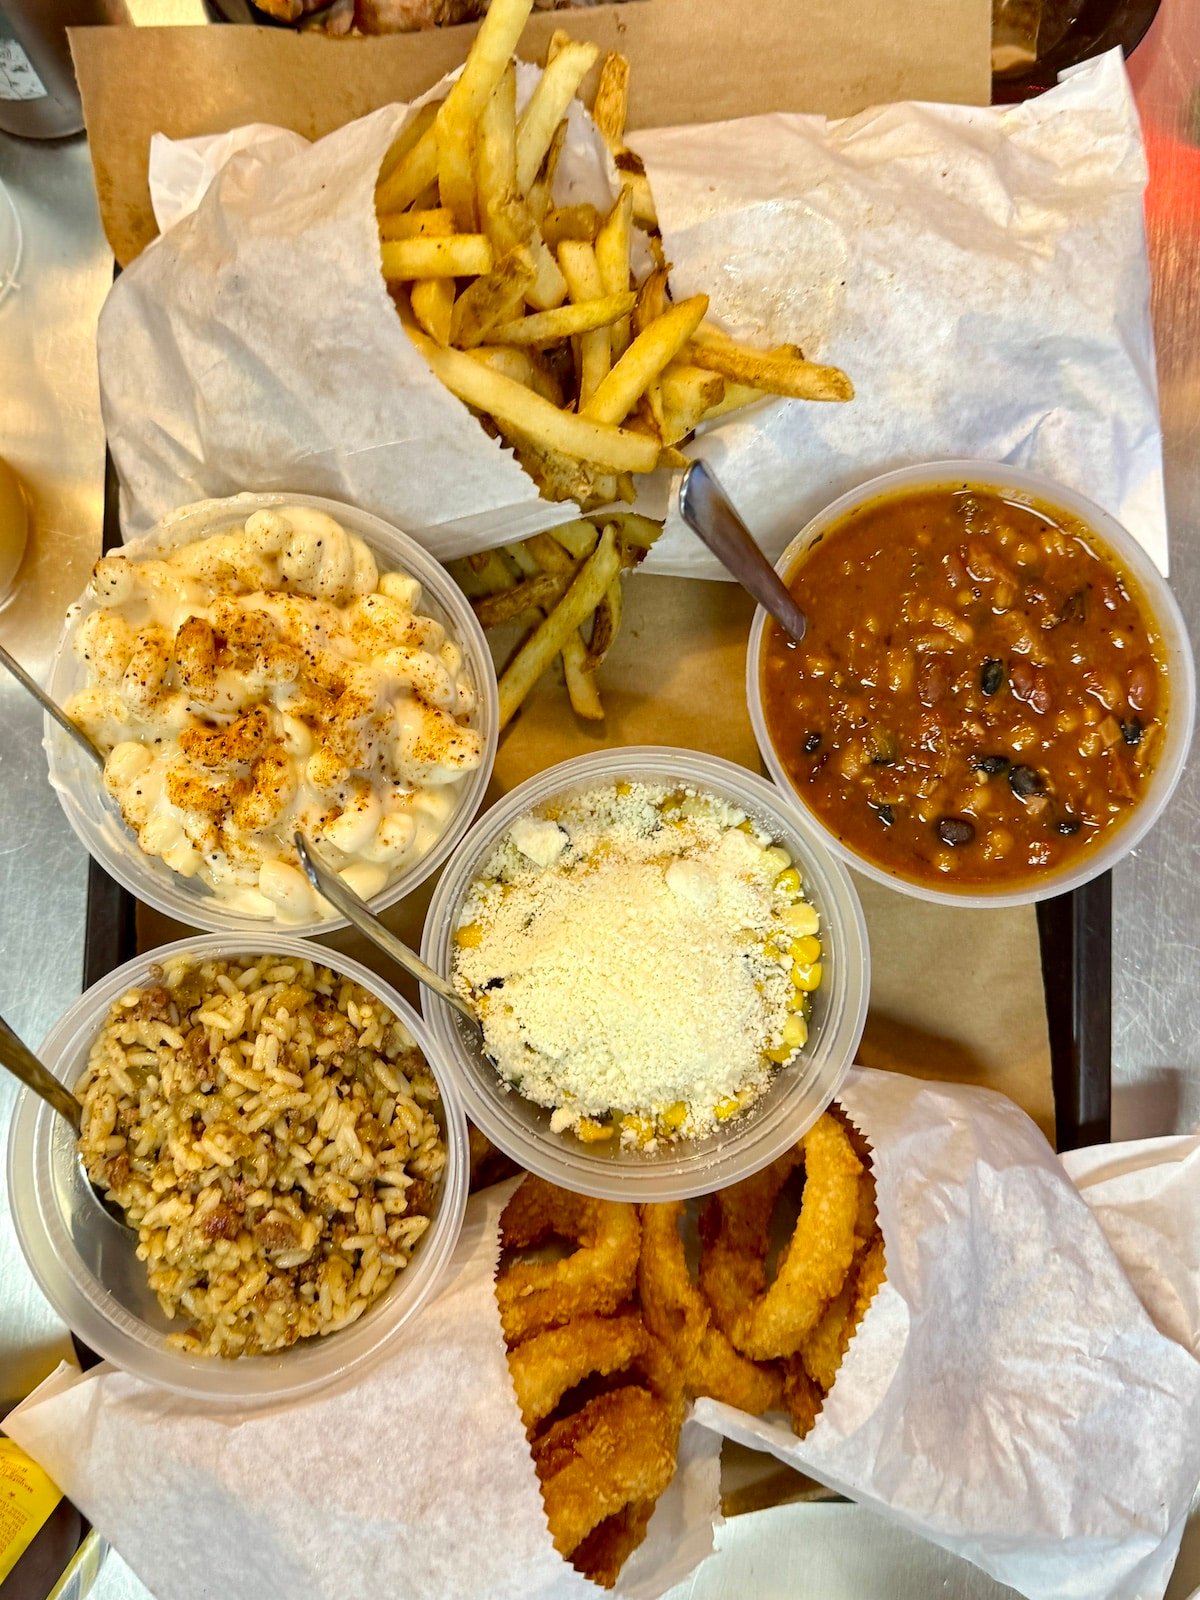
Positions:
(994, 700)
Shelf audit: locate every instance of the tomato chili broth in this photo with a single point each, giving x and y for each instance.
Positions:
(994, 699)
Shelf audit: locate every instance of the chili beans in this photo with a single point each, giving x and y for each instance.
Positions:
(988, 687)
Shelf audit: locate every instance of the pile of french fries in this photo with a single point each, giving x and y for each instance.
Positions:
(560, 579)
(533, 314)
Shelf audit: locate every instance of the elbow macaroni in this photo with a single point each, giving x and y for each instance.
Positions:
(267, 679)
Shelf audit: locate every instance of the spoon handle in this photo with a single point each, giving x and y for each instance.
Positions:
(23, 1064)
(50, 707)
(356, 910)
(708, 512)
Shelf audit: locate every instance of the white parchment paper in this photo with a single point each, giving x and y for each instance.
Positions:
(409, 1478)
(981, 273)
(1007, 1395)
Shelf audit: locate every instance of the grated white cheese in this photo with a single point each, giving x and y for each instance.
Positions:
(628, 958)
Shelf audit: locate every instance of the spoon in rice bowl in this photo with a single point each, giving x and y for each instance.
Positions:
(356, 911)
(16, 1057)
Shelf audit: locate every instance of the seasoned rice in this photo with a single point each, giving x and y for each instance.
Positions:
(271, 1131)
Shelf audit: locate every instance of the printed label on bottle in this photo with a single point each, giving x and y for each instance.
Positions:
(27, 1497)
(18, 80)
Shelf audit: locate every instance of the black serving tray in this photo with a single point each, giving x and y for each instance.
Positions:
(1074, 931)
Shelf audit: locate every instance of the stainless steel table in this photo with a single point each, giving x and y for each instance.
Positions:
(50, 429)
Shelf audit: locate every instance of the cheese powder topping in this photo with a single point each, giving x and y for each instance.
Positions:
(633, 956)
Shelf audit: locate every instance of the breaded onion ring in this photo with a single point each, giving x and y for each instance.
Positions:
(676, 1312)
(547, 1364)
(619, 1448)
(596, 1278)
(765, 1322)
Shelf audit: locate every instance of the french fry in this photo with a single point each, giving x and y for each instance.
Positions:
(523, 559)
(735, 397)
(606, 624)
(542, 189)
(776, 374)
(402, 146)
(578, 538)
(490, 572)
(458, 255)
(646, 357)
(578, 263)
(527, 415)
(456, 168)
(414, 173)
(634, 532)
(612, 258)
(433, 307)
(547, 327)
(570, 222)
(552, 634)
(522, 366)
(489, 57)
(582, 687)
(669, 456)
(626, 488)
(547, 106)
(688, 392)
(651, 300)
(494, 299)
(416, 225)
(549, 554)
(611, 105)
(496, 147)
(559, 40)
(543, 589)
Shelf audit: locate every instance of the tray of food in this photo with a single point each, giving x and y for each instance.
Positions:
(711, 1163)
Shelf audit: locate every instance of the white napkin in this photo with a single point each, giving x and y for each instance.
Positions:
(981, 274)
(411, 1477)
(1006, 1394)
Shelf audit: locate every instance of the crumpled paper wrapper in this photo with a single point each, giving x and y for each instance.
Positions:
(980, 273)
(410, 1478)
(1006, 1394)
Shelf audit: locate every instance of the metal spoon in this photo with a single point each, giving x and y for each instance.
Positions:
(708, 512)
(50, 706)
(340, 895)
(19, 1059)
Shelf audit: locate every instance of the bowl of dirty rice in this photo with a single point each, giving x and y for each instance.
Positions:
(669, 969)
(273, 1123)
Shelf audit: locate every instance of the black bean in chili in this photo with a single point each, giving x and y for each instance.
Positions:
(991, 677)
(1025, 783)
(812, 744)
(955, 830)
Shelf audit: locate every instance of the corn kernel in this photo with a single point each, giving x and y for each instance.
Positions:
(788, 882)
(724, 1109)
(808, 978)
(673, 1116)
(640, 1127)
(785, 1053)
(469, 936)
(745, 826)
(805, 951)
(776, 859)
(798, 1001)
(795, 1032)
(592, 1132)
(800, 919)
(624, 788)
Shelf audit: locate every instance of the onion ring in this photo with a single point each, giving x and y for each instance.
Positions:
(594, 1279)
(606, 1549)
(766, 1322)
(619, 1448)
(676, 1312)
(547, 1364)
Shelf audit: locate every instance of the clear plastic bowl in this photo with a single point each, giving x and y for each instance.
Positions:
(85, 1261)
(799, 1092)
(94, 817)
(1181, 675)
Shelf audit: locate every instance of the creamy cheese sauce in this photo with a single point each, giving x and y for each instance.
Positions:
(266, 679)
